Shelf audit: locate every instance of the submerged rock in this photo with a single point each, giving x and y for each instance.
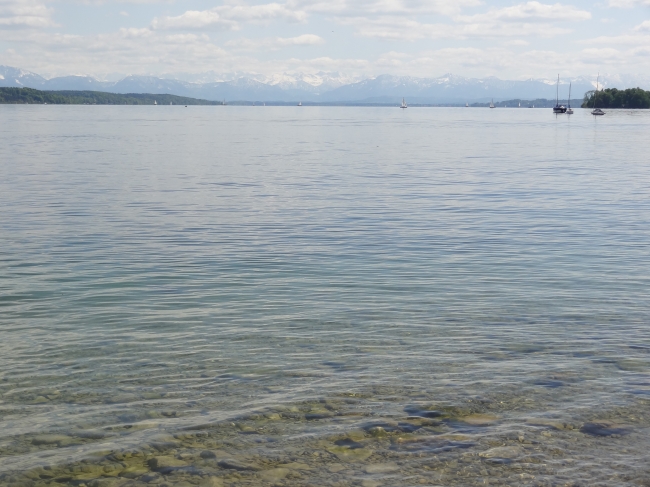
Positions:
(378, 432)
(134, 471)
(51, 440)
(236, 465)
(605, 429)
(296, 466)
(370, 483)
(211, 481)
(105, 482)
(382, 468)
(346, 454)
(274, 474)
(165, 463)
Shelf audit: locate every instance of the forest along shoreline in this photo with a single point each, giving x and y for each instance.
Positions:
(615, 98)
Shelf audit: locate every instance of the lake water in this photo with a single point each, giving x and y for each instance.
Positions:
(235, 296)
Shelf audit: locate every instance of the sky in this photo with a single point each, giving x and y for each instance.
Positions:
(363, 38)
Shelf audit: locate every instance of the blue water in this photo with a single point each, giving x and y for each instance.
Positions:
(171, 269)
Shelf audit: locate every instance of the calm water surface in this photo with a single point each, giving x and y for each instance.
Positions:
(233, 296)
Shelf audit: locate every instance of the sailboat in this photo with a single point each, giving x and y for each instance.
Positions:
(597, 111)
(558, 108)
(155, 102)
(466, 105)
(403, 105)
(519, 104)
(299, 103)
(492, 103)
(569, 110)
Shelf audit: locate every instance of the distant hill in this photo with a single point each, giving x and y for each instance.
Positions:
(66, 97)
(449, 89)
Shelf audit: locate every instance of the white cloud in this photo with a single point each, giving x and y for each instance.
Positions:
(468, 37)
(389, 28)
(228, 17)
(628, 3)
(369, 8)
(531, 19)
(269, 11)
(193, 19)
(643, 26)
(530, 12)
(622, 40)
(274, 43)
(24, 14)
(600, 56)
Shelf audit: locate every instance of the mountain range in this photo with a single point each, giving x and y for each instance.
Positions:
(323, 87)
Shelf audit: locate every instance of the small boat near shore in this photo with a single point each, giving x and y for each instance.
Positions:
(403, 105)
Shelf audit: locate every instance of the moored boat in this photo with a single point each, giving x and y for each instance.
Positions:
(558, 108)
(597, 111)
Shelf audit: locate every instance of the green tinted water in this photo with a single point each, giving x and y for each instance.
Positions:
(323, 296)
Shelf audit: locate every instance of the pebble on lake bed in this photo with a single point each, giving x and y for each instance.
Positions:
(502, 452)
(382, 468)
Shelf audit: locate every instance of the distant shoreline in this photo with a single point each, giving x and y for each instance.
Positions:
(23, 96)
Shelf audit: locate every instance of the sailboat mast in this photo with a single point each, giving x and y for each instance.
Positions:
(569, 100)
(557, 91)
(596, 94)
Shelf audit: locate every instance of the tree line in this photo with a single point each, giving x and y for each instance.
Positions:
(32, 96)
(615, 98)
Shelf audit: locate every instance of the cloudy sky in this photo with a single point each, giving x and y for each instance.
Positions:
(508, 39)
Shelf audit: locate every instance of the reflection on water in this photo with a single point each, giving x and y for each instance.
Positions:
(265, 296)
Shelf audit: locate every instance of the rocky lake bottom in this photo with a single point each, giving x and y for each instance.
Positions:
(378, 435)
(340, 442)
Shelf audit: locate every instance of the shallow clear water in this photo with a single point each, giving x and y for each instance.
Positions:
(323, 296)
